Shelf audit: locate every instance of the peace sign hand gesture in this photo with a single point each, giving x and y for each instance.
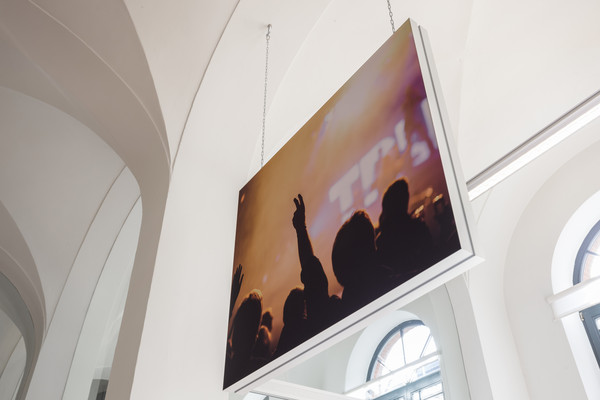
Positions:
(299, 218)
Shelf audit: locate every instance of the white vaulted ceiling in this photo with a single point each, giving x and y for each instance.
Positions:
(78, 104)
(88, 89)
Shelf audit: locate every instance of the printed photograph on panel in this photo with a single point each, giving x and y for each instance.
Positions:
(353, 206)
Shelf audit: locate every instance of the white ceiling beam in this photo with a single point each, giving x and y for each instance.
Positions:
(544, 140)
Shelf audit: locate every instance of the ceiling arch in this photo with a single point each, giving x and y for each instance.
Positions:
(100, 76)
(63, 86)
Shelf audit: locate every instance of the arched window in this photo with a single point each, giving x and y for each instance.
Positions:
(405, 366)
(587, 266)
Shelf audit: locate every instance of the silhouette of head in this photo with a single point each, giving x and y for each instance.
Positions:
(395, 200)
(294, 309)
(353, 249)
(246, 323)
(263, 343)
(267, 319)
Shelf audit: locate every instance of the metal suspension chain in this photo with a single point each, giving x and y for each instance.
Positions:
(262, 147)
(391, 16)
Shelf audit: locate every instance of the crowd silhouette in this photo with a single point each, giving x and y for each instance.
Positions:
(367, 262)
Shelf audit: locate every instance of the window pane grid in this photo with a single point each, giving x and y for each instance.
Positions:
(432, 392)
(409, 373)
(406, 362)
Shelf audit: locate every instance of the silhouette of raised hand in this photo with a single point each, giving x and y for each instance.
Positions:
(236, 286)
(299, 218)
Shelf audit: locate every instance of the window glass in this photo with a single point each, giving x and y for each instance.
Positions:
(432, 392)
(591, 266)
(587, 264)
(390, 358)
(415, 339)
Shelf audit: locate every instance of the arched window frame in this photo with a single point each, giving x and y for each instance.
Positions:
(590, 317)
(419, 386)
(385, 340)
